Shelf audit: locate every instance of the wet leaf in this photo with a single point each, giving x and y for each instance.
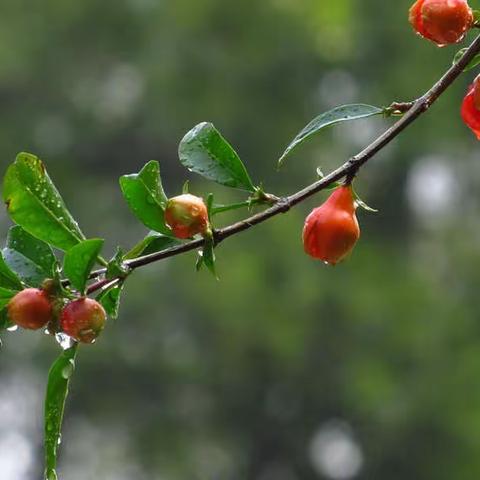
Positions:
(32, 259)
(79, 261)
(57, 391)
(110, 299)
(8, 278)
(203, 150)
(34, 203)
(144, 194)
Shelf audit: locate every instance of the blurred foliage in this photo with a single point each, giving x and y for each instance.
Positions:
(236, 379)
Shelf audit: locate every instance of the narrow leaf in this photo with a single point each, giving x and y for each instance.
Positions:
(203, 150)
(34, 203)
(110, 299)
(144, 194)
(344, 113)
(208, 256)
(210, 205)
(57, 391)
(32, 259)
(218, 208)
(152, 243)
(79, 261)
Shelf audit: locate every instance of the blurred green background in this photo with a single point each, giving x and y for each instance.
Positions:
(285, 369)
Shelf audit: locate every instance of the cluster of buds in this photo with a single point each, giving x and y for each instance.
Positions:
(34, 308)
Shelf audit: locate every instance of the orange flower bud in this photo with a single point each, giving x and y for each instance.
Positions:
(442, 21)
(186, 215)
(31, 308)
(83, 320)
(331, 230)
(471, 107)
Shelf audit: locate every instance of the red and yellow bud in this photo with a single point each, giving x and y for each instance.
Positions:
(31, 308)
(442, 21)
(83, 320)
(331, 230)
(186, 215)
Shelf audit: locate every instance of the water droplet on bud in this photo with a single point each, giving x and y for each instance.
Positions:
(64, 340)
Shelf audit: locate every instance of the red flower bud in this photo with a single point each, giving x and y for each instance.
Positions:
(83, 320)
(471, 107)
(331, 230)
(31, 308)
(186, 215)
(441, 21)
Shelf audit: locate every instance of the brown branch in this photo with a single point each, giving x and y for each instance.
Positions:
(411, 111)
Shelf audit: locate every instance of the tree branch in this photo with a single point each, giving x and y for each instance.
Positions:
(411, 111)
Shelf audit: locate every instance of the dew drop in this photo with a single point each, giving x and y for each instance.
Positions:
(51, 475)
(64, 340)
(68, 369)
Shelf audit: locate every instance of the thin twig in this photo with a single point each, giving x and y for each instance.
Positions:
(411, 111)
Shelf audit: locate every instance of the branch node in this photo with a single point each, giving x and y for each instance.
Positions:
(283, 204)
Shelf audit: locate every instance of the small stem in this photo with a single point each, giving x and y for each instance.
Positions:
(100, 284)
(233, 206)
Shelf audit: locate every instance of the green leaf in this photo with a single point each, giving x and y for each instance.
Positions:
(116, 266)
(79, 261)
(344, 113)
(152, 243)
(207, 257)
(474, 62)
(110, 299)
(4, 320)
(34, 203)
(32, 259)
(5, 296)
(210, 206)
(144, 194)
(57, 391)
(8, 278)
(203, 150)
(218, 208)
